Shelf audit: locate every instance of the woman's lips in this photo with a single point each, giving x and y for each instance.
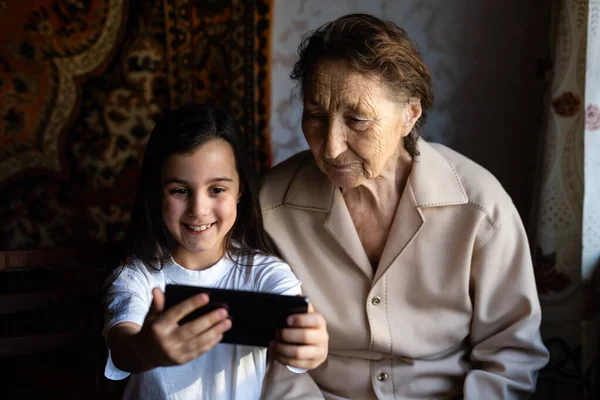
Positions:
(340, 167)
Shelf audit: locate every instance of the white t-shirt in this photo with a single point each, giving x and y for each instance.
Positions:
(225, 372)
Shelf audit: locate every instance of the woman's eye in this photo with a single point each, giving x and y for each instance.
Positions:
(316, 116)
(356, 120)
(357, 123)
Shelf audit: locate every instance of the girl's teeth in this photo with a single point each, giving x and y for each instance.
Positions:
(200, 228)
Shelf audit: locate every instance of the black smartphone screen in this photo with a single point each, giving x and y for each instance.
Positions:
(255, 317)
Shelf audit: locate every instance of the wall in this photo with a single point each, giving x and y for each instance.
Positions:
(483, 56)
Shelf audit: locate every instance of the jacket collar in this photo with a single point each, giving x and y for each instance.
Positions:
(433, 179)
(319, 198)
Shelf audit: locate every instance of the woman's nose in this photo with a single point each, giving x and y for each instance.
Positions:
(335, 142)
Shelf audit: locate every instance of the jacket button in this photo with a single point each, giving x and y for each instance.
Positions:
(382, 377)
(376, 300)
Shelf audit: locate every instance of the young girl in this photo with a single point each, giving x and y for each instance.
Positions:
(197, 221)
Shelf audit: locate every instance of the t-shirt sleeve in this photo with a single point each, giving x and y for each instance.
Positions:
(278, 278)
(127, 299)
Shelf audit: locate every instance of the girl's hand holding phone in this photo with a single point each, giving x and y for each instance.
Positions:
(304, 344)
(166, 343)
(161, 341)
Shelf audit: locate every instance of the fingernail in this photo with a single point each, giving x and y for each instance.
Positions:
(290, 321)
(222, 313)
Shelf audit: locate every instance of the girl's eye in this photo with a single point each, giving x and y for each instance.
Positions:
(217, 190)
(179, 191)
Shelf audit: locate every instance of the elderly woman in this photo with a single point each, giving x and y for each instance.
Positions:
(414, 254)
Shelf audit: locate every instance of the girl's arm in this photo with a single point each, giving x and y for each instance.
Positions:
(161, 341)
(123, 347)
(305, 343)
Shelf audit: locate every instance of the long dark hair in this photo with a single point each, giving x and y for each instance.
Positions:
(182, 131)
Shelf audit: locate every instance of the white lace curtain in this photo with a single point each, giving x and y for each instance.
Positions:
(566, 243)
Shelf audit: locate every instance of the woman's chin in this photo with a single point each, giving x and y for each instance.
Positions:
(345, 181)
(345, 177)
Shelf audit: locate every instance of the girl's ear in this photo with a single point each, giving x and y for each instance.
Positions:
(240, 192)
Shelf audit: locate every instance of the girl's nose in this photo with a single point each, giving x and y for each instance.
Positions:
(198, 207)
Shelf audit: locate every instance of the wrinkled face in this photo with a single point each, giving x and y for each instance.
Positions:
(351, 124)
(199, 201)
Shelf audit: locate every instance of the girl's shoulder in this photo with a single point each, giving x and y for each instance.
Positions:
(267, 273)
(255, 259)
(263, 262)
(138, 271)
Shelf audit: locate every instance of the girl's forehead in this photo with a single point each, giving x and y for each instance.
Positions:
(213, 159)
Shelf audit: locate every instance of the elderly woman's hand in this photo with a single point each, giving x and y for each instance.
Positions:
(305, 343)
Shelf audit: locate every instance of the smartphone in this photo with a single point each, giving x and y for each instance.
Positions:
(255, 316)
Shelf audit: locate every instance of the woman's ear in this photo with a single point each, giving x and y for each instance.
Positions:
(414, 111)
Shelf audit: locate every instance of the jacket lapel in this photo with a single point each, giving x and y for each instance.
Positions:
(407, 223)
(311, 190)
(433, 182)
(339, 224)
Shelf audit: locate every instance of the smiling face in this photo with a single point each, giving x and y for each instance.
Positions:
(200, 192)
(351, 124)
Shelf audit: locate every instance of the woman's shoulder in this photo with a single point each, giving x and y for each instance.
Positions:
(466, 168)
(481, 187)
(276, 182)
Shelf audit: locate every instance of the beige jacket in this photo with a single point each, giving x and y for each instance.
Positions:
(452, 309)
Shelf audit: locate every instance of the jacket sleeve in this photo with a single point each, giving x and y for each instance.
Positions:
(280, 383)
(507, 350)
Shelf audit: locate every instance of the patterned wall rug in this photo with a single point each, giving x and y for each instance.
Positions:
(218, 51)
(82, 84)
